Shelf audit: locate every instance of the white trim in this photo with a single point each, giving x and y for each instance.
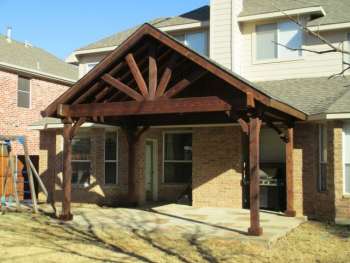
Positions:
(116, 161)
(300, 11)
(336, 26)
(60, 126)
(330, 116)
(195, 25)
(172, 161)
(37, 73)
(346, 194)
(155, 168)
(94, 50)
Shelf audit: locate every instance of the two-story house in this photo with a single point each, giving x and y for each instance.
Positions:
(307, 174)
(30, 79)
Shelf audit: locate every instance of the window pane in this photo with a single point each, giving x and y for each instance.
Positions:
(110, 173)
(347, 48)
(323, 142)
(177, 172)
(23, 84)
(23, 99)
(347, 143)
(198, 42)
(111, 146)
(178, 146)
(81, 148)
(180, 38)
(322, 184)
(289, 35)
(81, 173)
(266, 38)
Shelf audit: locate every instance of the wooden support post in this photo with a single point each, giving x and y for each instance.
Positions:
(254, 134)
(132, 140)
(67, 171)
(30, 176)
(289, 173)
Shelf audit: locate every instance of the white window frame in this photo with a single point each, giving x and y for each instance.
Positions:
(278, 58)
(77, 185)
(185, 34)
(321, 161)
(347, 194)
(116, 161)
(30, 92)
(174, 161)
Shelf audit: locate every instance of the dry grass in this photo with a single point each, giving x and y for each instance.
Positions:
(27, 238)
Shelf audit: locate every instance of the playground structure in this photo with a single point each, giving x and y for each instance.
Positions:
(9, 184)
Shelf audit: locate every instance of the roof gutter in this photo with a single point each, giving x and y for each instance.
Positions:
(330, 27)
(317, 10)
(329, 116)
(36, 73)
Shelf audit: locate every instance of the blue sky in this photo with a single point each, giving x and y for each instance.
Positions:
(61, 26)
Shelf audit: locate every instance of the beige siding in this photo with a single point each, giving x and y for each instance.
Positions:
(220, 31)
(308, 65)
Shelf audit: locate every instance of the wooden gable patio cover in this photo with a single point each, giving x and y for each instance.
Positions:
(151, 79)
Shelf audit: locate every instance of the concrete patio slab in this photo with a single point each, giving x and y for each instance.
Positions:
(174, 220)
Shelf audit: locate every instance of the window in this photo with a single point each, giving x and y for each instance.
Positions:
(346, 157)
(90, 66)
(268, 37)
(347, 48)
(111, 158)
(23, 92)
(322, 171)
(81, 160)
(198, 41)
(177, 157)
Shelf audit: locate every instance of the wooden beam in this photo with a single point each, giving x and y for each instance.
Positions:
(122, 87)
(76, 126)
(67, 172)
(290, 173)
(95, 88)
(135, 71)
(244, 125)
(254, 180)
(101, 95)
(129, 108)
(166, 76)
(152, 73)
(250, 100)
(184, 83)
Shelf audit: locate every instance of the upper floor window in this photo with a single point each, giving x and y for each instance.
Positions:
(347, 48)
(198, 41)
(90, 66)
(323, 148)
(23, 92)
(273, 39)
(346, 157)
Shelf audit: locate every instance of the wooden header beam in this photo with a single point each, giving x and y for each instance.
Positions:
(187, 105)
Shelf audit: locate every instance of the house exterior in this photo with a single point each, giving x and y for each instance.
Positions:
(30, 79)
(209, 160)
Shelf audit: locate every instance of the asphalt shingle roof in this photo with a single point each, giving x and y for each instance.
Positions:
(312, 95)
(198, 15)
(337, 11)
(36, 59)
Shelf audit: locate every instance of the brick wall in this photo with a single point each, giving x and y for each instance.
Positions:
(217, 167)
(15, 120)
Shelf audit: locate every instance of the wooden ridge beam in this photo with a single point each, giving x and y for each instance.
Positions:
(135, 71)
(122, 87)
(129, 108)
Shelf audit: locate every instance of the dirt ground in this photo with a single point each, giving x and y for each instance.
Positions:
(37, 238)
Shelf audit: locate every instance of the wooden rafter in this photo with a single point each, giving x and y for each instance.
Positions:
(135, 71)
(152, 73)
(122, 87)
(187, 105)
(184, 83)
(166, 76)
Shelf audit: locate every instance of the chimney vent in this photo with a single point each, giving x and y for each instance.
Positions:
(8, 34)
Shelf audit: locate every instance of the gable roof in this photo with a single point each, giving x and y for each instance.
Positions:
(312, 95)
(336, 10)
(198, 15)
(151, 34)
(17, 55)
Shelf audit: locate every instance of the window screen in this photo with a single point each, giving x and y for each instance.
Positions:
(322, 173)
(266, 39)
(81, 160)
(111, 158)
(23, 92)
